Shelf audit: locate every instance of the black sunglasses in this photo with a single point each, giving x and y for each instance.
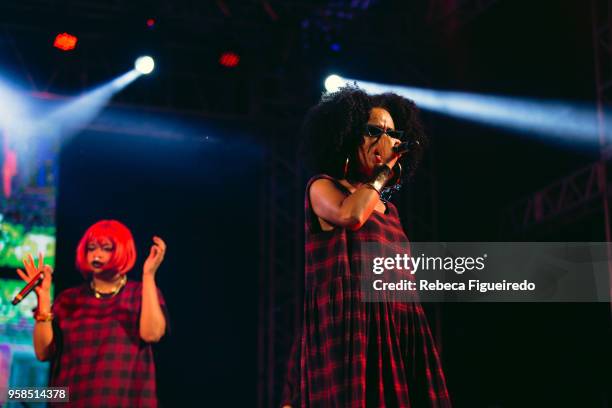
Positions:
(375, 131)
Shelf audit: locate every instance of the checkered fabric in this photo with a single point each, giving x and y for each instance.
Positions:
(350, 353)
(98, 351)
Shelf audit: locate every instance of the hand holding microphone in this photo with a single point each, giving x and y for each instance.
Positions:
(386, 150)
(396, 149)
(38, 279)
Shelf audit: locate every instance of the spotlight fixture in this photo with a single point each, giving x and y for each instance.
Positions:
(333, 83)
(144, 65)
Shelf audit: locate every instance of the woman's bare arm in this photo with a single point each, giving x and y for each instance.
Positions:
(335, 207)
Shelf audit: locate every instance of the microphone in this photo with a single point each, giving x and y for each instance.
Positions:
(405, 147)
(28, 288)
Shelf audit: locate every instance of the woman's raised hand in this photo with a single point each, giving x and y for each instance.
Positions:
(32, 270)
(155, 258)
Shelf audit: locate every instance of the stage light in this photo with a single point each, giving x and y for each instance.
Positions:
(229, 59)
(83, 109)
(144, 65)
(16, 111)
(25, 123)
(12, 105)
(65, 42)
(551, 119)
(333, 82)
(150, 22)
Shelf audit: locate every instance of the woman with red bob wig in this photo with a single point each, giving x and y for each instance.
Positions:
(98, 335)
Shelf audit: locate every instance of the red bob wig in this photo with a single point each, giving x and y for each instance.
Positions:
(124, 253)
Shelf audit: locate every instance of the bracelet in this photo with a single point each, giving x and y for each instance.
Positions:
(382, 174)
(371, 187)
(43, 317)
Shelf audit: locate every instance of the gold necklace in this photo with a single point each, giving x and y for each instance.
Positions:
(110, 294)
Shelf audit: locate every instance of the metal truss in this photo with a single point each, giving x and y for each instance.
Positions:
(281, 272)
(602, 53)
(581, 188)
(579, 192)
(587, 190)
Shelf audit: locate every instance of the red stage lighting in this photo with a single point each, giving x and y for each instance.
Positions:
(229, 59)
(151, 22)
(65, 42)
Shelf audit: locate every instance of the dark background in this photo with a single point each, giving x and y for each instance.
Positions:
(205, 198)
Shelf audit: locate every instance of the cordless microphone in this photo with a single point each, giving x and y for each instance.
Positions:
(28, 288)
(405, 147)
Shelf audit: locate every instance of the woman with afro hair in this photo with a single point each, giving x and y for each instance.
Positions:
(98, 335)
(352, 353)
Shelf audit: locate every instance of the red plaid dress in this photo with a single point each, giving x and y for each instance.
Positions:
(350, 353)
(98, 351)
